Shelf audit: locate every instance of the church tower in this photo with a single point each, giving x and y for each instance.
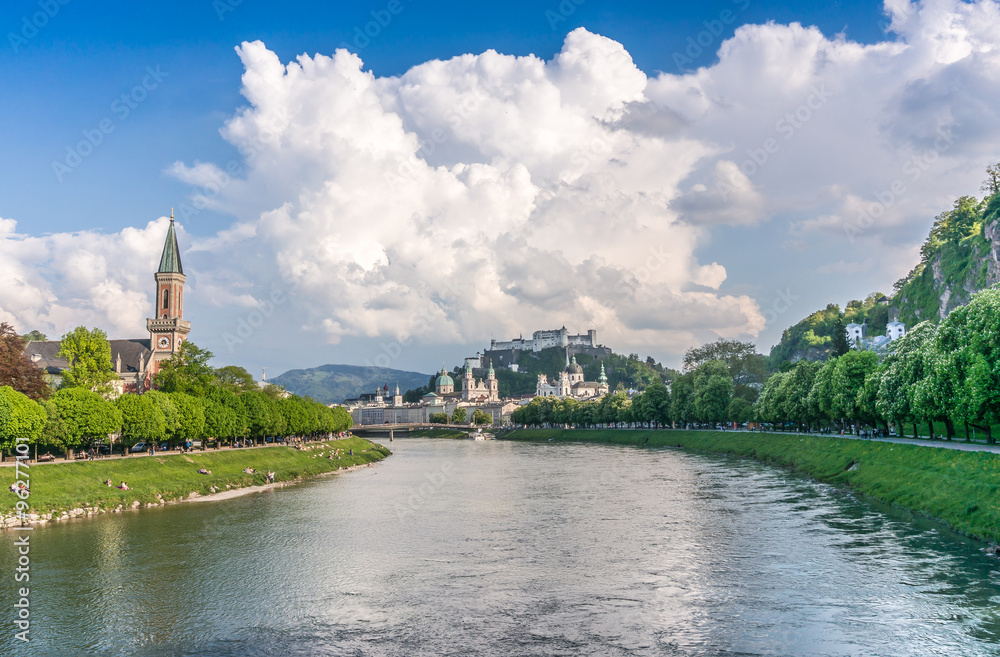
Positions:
(492, 385)
(167, 328)
(468, 383)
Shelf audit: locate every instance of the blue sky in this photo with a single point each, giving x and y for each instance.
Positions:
(619, 194)
(63, 80)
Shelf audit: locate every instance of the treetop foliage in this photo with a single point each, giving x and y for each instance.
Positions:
(16, 368)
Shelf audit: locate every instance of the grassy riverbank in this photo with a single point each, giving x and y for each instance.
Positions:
(59, 487)
(957, 487)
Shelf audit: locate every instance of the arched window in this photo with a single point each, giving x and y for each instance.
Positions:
(166, 299)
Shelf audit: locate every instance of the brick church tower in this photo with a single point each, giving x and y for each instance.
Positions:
(167, 328)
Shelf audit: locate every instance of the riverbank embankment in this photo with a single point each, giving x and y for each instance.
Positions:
(66, 490)
(962, 489)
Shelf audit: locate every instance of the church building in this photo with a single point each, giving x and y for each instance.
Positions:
(571, 383)
(137, 360)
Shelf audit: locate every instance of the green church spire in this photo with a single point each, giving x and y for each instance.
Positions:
(170, 261)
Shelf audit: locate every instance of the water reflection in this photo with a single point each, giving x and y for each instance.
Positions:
(517, 549)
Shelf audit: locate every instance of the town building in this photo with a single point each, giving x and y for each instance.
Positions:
(483, 395)
(858, 338)
(571, 383)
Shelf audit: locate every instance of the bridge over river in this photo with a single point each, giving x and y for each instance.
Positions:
(394, 430)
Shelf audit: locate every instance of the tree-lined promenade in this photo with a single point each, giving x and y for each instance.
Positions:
(192, 401)
(944, 378)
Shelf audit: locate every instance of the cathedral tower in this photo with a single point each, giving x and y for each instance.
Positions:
(167, 328)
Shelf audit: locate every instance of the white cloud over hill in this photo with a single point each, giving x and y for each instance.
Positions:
(493, 194)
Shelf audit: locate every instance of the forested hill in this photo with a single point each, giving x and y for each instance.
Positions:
(960, 256)
(332, 384)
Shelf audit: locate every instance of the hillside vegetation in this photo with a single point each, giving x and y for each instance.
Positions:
(961, 256)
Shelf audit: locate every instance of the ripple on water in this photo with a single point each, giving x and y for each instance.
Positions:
(518, 549)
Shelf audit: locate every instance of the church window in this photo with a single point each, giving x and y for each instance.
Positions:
(166, 299)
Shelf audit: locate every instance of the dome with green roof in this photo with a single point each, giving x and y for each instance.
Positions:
(444, 383)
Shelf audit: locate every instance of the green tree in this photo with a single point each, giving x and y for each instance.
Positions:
(34, 336)
(848, 382)
(839, 344)
(262, 415)
(16, 368)
(191, 418)
(682, 399)
(992, 183)
(745, 365)
(794, 392)
(479, 417)
(225, 416)
(171, 414)
(187, 371)
(655, 404)
(905, 367)
(235, 379)
(439, 418)
(820, 400)
(713, 390)
(459, 416)
(83, 416)
(964, 371)
(89, 355)
(142, 420)
(740, 410)
(770, 405)
(21, 419)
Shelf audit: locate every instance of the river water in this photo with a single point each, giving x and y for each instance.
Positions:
(501, 548)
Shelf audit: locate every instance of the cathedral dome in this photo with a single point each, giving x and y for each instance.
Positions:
(444, 380)
(574, 367)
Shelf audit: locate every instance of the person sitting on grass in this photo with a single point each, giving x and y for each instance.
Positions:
(124, 486)
(249, 471)
(108, 482)
(204, 471)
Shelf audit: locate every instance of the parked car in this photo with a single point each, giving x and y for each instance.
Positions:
(139, 447)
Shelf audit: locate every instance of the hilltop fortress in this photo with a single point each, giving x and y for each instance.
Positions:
(504, 353)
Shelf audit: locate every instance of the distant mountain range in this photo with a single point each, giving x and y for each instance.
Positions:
(332, 384)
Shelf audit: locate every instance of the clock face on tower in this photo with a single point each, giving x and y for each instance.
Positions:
(163, 342)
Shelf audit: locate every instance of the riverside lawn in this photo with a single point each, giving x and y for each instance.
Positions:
(959, 488)
(59, 487)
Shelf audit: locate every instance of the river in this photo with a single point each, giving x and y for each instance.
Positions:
(503, 548)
